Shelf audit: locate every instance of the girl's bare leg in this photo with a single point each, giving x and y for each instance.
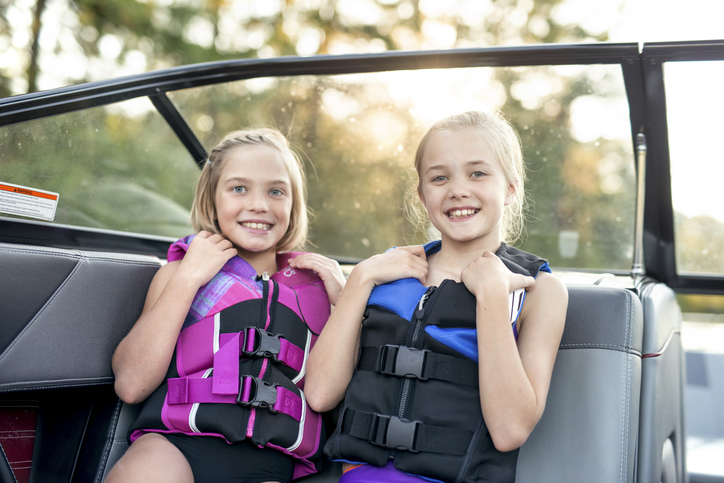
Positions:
(151, 458)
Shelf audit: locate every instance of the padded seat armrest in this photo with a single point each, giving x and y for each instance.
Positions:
(64, 312)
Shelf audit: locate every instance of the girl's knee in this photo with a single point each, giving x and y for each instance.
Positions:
(151, 458)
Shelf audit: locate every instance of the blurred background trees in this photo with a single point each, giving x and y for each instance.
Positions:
(358, 166)
(50, 43)
(356, 136)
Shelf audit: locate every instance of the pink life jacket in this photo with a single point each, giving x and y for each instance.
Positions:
(239, 364)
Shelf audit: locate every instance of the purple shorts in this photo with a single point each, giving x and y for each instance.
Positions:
(374, 474)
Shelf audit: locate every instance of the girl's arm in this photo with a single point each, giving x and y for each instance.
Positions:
(141, 360)
(333, 358)
(514, 378)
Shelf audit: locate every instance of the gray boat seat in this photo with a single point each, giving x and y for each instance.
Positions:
(608, 415)
(589, 429)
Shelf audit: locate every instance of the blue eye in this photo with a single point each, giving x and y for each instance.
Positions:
(239, 189)
(276, 192)
(438, 178)
(477, 174)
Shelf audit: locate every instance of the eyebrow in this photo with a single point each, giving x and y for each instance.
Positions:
(474, 162)
(246, 181)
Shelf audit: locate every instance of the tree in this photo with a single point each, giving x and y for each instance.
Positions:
(119, 35)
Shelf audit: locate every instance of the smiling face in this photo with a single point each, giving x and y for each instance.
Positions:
(253, 200)
(463, 188)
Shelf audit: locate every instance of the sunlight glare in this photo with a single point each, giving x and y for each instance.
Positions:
(594, 117)
(695, 128)
(434, 94)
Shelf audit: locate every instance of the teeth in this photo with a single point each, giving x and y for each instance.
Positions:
(461, 213)
(257, 226)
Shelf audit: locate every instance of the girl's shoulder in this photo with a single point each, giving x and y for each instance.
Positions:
(522, 262)
(178, 249)
(549, 294)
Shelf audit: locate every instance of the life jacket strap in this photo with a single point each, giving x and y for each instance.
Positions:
(260, 343)
(253, 392)
(251, 342)
(414, 436)
(402, 361)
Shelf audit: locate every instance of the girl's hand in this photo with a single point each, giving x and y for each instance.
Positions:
(488, 273)
(327, 269)
(206, 255)
(394, 264)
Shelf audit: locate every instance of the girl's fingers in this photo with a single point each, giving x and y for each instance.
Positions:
(327, 269)
(417, 250)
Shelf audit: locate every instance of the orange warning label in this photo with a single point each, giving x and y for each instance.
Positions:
(30, 202)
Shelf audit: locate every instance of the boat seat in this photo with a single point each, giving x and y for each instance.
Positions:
(608, 416)
(589, 429)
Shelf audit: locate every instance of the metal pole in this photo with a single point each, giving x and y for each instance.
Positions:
(637, 270)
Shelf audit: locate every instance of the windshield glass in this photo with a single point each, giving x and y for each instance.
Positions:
(358, 135)
(116, 168)
(121, 167)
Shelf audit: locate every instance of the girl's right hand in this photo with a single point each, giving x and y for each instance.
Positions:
(488, 271)
(394, 264)
(206, 255)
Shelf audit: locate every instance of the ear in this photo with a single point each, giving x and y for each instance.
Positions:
(512, 193)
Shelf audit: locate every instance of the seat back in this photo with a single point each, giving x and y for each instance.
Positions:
(62, 313)
(589, 429)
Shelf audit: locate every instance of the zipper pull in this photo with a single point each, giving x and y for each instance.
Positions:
(265, 276)
(421, 305)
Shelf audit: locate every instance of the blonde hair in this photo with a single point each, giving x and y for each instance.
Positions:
(505, 144)
(203, 210)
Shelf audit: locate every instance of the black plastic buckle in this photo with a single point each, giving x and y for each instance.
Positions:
(402, 361)
(262, 394)
(400, 433)
(266, 344)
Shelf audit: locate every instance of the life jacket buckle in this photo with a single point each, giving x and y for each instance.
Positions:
(400, 433)
(264, 344)
(262, 394)
(402, 361)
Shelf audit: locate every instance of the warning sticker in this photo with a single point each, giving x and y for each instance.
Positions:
(24, 201)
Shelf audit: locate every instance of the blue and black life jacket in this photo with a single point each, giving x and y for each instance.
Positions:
(414, 396)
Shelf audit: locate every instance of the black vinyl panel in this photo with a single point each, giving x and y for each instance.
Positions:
(26, 284)
(62, 422)
(40, 233)
(98, 437)
(6, 473)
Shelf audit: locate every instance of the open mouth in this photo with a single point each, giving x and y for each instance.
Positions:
(256, 226)
(461, 213)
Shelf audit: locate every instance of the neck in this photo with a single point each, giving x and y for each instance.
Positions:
(454, 256)
(261, 262)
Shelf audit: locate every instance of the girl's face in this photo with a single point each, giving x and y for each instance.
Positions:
(253, 199)
(464, 189)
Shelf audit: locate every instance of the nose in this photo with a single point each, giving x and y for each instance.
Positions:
(259, 203)
(458, 188)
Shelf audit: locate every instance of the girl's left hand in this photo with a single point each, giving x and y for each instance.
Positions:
(327, 269)
(489, 272)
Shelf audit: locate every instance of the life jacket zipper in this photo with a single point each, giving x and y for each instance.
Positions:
(419, 321)
(266, 318)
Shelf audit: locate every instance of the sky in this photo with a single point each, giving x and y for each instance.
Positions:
(693, 114)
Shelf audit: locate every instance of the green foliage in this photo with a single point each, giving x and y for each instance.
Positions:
(126, 171)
